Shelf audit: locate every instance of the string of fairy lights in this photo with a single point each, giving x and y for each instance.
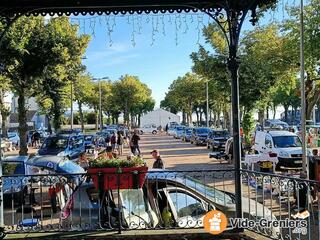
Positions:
(180, 22)
(161, 23)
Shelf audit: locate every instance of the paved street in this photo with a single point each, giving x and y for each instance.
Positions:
(178, 155)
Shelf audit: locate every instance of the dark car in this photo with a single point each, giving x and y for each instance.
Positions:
(15, 188)
(199, 136)
(217, 139)
(70, 146)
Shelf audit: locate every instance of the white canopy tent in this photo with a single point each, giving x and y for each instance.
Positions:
(159, 117)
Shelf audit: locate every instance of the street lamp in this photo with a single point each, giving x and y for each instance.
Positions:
(207, 96)
(100, 100)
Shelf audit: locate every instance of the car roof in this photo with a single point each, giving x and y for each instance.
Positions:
(281, 133)
(16, 159)
(56, 163)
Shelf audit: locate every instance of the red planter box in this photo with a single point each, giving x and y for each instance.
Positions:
(129, 178)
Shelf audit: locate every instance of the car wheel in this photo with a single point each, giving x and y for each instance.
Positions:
(141, 132)
(154, 132)
(208, 146)
(191, 142)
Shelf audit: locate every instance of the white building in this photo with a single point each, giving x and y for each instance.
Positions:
(159, 117)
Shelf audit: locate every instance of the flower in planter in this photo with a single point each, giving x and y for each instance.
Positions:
(103, 162)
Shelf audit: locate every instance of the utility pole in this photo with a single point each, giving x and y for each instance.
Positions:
(100, 105)
(71, 120)
(303, 96)
(207, 95)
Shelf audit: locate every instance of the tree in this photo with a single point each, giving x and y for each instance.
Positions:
(24, 58)
(127, 93)
(186, 92)
(64, 71)
(311, 48)
(4, 110)
(83, 90)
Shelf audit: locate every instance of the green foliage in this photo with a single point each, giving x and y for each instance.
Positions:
(102, 162)
(248, 125)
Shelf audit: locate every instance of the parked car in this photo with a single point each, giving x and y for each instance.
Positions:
(275, 123)
(185, 199)
(15, 188)
(179, 130)
(89, 141)
(199, 136)
(287, 146)
(70, 146)
(186, 135)
(14, 138)
(171, 131)
(70, 131)
(151, 128)
(217, 139)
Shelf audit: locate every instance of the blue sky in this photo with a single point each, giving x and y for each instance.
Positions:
(157, 59)
(155, 48)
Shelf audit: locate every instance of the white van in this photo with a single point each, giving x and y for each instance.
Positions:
(287, 146)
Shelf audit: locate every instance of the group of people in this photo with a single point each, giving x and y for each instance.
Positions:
(117, 140)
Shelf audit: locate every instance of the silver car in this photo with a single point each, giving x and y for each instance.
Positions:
(167, 199)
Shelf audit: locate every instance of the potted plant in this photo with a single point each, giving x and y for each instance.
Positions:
(115, 173)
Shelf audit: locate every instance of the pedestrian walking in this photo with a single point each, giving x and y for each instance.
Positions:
(158, 163)
(120, 141)
(36, 138)
(113, 141)
(107, 140)
(135, 142)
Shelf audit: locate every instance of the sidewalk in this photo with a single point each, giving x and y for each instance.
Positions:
(190, 234)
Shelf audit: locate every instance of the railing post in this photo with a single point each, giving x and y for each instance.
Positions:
(233, 66)
(1, 192)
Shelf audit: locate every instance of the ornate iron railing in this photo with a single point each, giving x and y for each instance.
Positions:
(168, 200)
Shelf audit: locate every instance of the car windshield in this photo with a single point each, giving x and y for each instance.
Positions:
(55, 143)
(203, 130)
(10, 135)
(12, 168)
(220, 134)
(180, 128)
(211, 193)
(135, 206)
(286, 141)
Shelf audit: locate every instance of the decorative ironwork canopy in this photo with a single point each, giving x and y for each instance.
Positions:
(67, 7)
(229, 14)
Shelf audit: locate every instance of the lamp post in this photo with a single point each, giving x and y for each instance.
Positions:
(100, 100)
(71, 90)
(207, 96)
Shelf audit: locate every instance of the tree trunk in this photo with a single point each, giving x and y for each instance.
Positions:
(23, 127)
(267, 111)
(81, 115)
(261, 117)
(49, 124)
(286, 113)
(184, 121)
(274, 111)
(97, 118)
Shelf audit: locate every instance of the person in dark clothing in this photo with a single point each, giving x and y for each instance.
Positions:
(107, 140)
(167, 127)
(135, 143)
(158, 163)
(120, 143)
(113, 141)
